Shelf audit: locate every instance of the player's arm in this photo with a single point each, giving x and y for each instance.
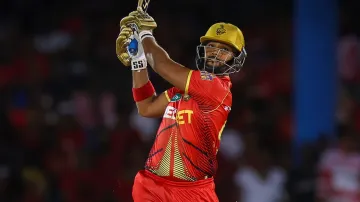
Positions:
(160, 61)
(157, 57)
(153, 106)
(144, 94)
(207, 92)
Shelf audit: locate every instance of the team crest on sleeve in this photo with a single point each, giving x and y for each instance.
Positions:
(206, 76)
(176, 97)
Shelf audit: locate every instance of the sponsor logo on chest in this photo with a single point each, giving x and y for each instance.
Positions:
(181, 116)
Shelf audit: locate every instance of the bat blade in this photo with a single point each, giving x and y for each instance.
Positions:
(143, 5)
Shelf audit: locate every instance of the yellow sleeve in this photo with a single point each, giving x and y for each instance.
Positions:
(167, 96)
(188, 82)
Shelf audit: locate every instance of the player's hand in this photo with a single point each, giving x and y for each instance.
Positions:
(142, 20)
(122, 43)
(137, 54)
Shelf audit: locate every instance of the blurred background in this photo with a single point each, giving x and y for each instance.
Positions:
(69, 131)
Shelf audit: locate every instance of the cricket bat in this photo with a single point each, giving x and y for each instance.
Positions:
(132, 48)
(143, 5)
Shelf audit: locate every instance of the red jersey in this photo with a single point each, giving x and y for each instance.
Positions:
(188, 138)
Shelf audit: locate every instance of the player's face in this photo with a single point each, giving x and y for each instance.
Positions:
(218, 53)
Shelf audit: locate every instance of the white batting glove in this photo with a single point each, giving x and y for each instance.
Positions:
(137, 54)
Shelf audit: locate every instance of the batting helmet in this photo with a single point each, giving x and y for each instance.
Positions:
(225, 33)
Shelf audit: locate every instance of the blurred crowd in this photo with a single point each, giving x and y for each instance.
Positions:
(69, 129)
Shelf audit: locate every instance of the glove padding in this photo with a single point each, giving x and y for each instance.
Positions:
(122, 43)
(142, 20)
(135, 57)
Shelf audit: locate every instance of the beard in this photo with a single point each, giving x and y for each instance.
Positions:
(214, 62)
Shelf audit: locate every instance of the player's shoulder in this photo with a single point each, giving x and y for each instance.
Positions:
(210, 78)
(204, 84)
(202, 75)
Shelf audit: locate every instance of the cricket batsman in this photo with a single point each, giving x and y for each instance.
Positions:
(182, 162)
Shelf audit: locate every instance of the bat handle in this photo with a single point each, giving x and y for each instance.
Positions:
(139, 9)
(134, 28)
(133, 45)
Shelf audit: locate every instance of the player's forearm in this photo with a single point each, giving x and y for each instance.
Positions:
(143, 106)
(157, 57)
(171, 71)
(139, 80)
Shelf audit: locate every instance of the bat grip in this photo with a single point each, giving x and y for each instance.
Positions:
(134, 41)
(134, 28)
(139, 9)
(133, 47)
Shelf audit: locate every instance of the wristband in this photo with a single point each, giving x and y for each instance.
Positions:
(145, 34)
(145, 91)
